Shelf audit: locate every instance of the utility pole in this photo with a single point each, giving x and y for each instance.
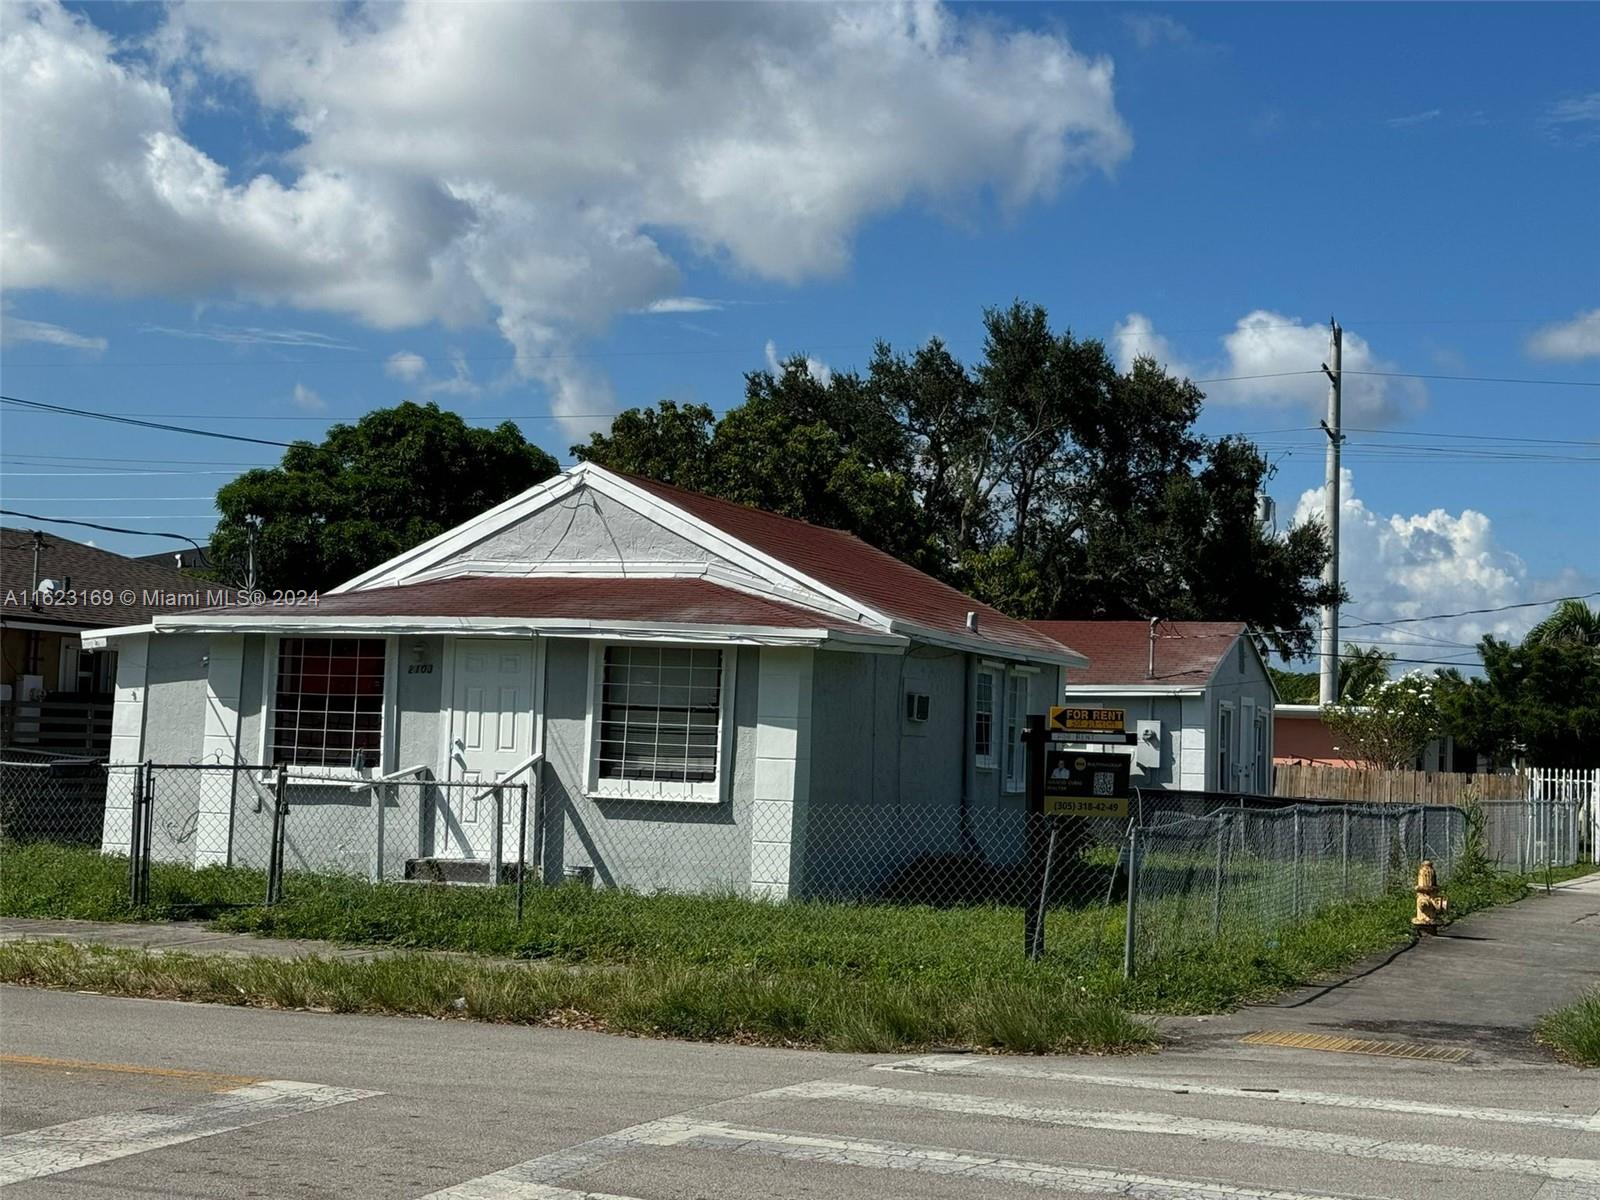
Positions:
(1329, 690)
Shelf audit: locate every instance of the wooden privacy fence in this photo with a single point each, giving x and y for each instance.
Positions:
(1312, 780)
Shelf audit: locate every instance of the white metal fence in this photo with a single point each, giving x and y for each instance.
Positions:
(1580, 786)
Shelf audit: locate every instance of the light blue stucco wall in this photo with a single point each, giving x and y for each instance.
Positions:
(646, 845)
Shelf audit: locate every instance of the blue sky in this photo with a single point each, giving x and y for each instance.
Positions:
(270, 217)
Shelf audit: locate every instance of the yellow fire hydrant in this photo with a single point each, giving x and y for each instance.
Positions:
(1431, 905)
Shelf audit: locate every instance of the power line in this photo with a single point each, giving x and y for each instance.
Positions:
(121, 420)
(179, 537)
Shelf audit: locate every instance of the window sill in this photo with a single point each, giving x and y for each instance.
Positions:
(654, 795)
(339, 777)
(987, 766)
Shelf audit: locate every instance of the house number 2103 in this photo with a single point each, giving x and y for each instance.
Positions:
(420, 669)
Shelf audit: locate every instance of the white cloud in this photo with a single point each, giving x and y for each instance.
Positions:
(16, 329)
(1416, 118)
(1152, 29)
(1575, 119)
(1568, 341)
(405, 366)
(464, 163)
(307, 400)
(1398, 565)
(458, 383)
(816, 368)
(253, 335)
(683, 304)
(1280, 360)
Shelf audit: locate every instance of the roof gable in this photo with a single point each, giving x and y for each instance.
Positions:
(688, 534)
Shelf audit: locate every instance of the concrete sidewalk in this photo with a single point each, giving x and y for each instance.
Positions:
(190, 937)
(1481, 985)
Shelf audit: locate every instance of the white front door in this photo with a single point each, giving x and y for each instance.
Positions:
(491, 735)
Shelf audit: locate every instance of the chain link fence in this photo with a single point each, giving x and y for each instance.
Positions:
(1192, 869)
(1245, 873)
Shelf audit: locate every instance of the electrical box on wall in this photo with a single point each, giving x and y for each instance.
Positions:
(1147, 749)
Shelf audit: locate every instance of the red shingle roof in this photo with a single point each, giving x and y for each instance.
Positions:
(850, 566)
(1187, 652)
(609, 598)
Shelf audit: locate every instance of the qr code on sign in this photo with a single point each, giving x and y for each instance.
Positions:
(1105, 783)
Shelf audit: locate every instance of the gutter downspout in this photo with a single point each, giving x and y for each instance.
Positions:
(964, 817)
(1150, 670)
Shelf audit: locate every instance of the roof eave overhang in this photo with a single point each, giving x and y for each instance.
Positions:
(1065, 658)
(1134, 689)
(559, 627)
(96, 639)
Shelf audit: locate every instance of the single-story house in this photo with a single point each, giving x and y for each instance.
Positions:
(704, 694)
(54, 693)
(1197, 694)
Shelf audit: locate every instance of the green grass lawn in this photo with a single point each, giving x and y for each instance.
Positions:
(1574, 1032)
(841, 976)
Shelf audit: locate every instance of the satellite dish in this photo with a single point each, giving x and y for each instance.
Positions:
(48, 587)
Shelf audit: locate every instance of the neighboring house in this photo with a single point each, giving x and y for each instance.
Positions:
(189, 558)
(55, 694)
(1197, 693)
(722, 697)
(1300, 736)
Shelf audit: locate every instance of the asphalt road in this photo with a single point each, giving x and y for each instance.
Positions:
(114, 1097)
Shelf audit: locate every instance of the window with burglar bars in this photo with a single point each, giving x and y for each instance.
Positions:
(660, 727)
(327, 710)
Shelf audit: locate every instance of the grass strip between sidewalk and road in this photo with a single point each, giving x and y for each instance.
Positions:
(841, 976)
(1574, 1032)
(811, 1009)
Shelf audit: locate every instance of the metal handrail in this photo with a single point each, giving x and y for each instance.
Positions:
(526, 765)
(393, 777)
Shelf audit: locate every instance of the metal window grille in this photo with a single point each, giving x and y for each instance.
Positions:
(328, 706)
(660, 714)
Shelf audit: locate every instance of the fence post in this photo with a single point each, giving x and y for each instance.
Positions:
(280, 821)
(1133, 901)
(1216, 894)
(522, 850)
(138, 820)
(1383, 856)
(497, 852)
(149, 830)
(1296, 875)
(1344, 850)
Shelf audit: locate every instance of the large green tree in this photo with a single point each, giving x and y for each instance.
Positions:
(1042, 478)
(366, 492)
(1362, 669)
(1537, 702)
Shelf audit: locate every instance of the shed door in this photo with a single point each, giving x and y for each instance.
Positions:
(491, 735)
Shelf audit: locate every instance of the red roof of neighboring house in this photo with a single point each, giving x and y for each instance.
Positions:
(1187, 652)
(607, 598)
(850, 566)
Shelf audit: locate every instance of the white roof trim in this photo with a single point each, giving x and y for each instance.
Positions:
(568, 627)
(95, 639)
(1134, 689)
(481, 526)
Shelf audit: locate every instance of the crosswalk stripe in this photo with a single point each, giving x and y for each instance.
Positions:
(1580, 1170)
(945, 1064)
(534, 1179)
(901, 1156)
(36, 1153)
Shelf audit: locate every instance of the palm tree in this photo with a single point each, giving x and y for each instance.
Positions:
(1361, 669)
(1573, 623)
